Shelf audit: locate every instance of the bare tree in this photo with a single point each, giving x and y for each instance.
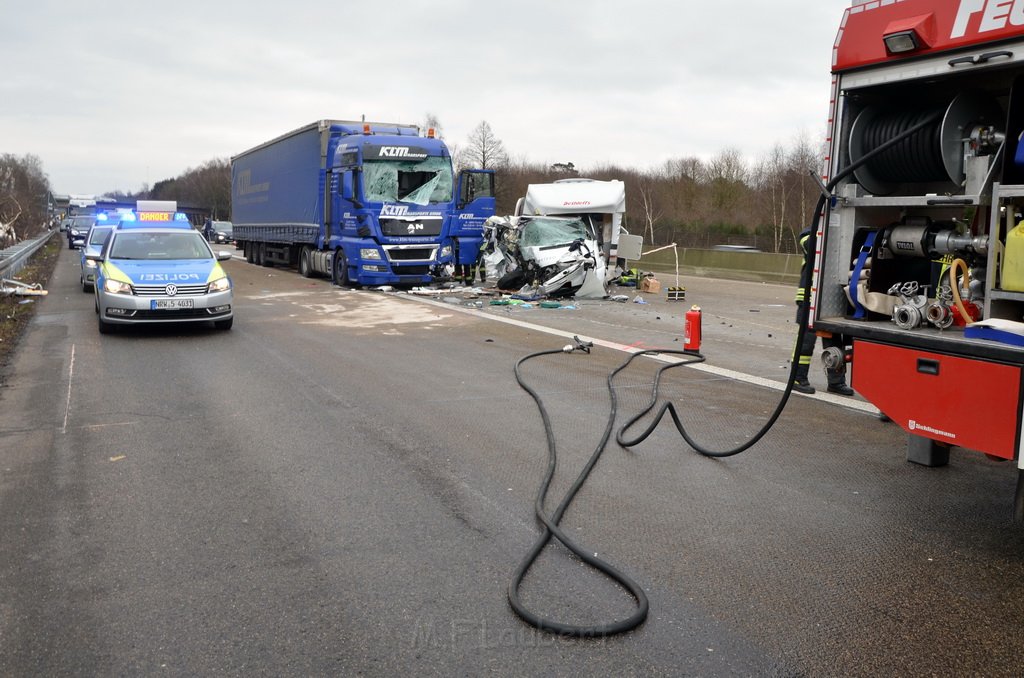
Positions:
(23, 181)
(804, 160)
(647, 187)
(484, 149)
(8, 236)
(771, 178)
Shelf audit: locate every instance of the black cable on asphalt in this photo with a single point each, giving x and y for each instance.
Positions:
(551, 523)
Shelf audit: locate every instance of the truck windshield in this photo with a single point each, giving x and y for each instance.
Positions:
(420, 183)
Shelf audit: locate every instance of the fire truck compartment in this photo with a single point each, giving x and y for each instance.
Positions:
(960, 401)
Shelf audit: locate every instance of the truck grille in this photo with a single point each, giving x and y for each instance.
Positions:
(411, 254)
(411, 270)
(161, 290)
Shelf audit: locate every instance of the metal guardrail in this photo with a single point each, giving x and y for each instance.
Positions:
(16, 256)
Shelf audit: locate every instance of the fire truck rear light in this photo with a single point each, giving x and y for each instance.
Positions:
(904, 41)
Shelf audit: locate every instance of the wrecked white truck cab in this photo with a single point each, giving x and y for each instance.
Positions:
(580, 243)
(545, 256)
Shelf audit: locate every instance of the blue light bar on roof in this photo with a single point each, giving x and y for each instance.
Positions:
(180, 216)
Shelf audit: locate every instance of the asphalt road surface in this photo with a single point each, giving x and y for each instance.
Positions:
(343, 484)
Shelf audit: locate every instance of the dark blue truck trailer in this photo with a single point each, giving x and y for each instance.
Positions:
(365, 203)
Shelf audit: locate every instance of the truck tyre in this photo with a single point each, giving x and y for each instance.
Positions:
(305, 265)
(247, 248)
(264, 259)
(224, 324)
(340, 268)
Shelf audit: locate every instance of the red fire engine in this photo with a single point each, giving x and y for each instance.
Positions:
(919, 258)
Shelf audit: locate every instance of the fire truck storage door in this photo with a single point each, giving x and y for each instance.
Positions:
(965, 402)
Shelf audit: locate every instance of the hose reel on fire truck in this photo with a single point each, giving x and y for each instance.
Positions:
(935, 154)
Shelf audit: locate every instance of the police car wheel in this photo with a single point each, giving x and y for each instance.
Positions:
(86, 287)
(104, 326)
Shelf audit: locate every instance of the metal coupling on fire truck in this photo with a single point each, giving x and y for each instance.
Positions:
(911, 311)
(833, 358)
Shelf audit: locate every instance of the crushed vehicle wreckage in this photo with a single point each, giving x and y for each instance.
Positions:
(565, 239)
(543, 256)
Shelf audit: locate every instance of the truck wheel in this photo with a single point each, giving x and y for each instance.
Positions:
(224, 324)
(264, 259)
(340, 268)
(305, 265)
(247, 248)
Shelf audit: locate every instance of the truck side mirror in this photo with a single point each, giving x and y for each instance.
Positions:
(348, 188)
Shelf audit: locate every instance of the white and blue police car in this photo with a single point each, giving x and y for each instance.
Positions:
(165, 273)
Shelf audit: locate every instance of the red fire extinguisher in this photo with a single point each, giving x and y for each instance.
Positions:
(691, 336)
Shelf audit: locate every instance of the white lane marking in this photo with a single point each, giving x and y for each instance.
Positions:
(842, 401)
(67, 403)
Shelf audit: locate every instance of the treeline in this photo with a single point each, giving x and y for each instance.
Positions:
(208, 185)
(700, 203)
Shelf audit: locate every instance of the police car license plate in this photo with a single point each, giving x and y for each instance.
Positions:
(170, 304)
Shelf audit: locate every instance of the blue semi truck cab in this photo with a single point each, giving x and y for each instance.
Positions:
(365, 203)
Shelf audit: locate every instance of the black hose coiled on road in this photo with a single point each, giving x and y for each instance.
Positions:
(551, 523)
(551, 528)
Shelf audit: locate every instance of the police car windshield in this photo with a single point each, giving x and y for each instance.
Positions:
(159, 246)
(99, 235)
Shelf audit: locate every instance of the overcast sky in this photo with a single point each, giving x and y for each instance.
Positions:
(113, 95)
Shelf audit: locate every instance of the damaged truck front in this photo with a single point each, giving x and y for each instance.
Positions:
(365, 203)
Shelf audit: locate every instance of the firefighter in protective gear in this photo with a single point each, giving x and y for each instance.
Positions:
(836, 376)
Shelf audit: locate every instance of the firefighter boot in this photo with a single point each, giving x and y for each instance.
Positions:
(800, 384)
(837, 384)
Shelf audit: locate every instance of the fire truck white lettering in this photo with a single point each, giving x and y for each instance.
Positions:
(1017, 14)
(995, 14)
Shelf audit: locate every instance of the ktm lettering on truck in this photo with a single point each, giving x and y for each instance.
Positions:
(399, 152)
(394, 210)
